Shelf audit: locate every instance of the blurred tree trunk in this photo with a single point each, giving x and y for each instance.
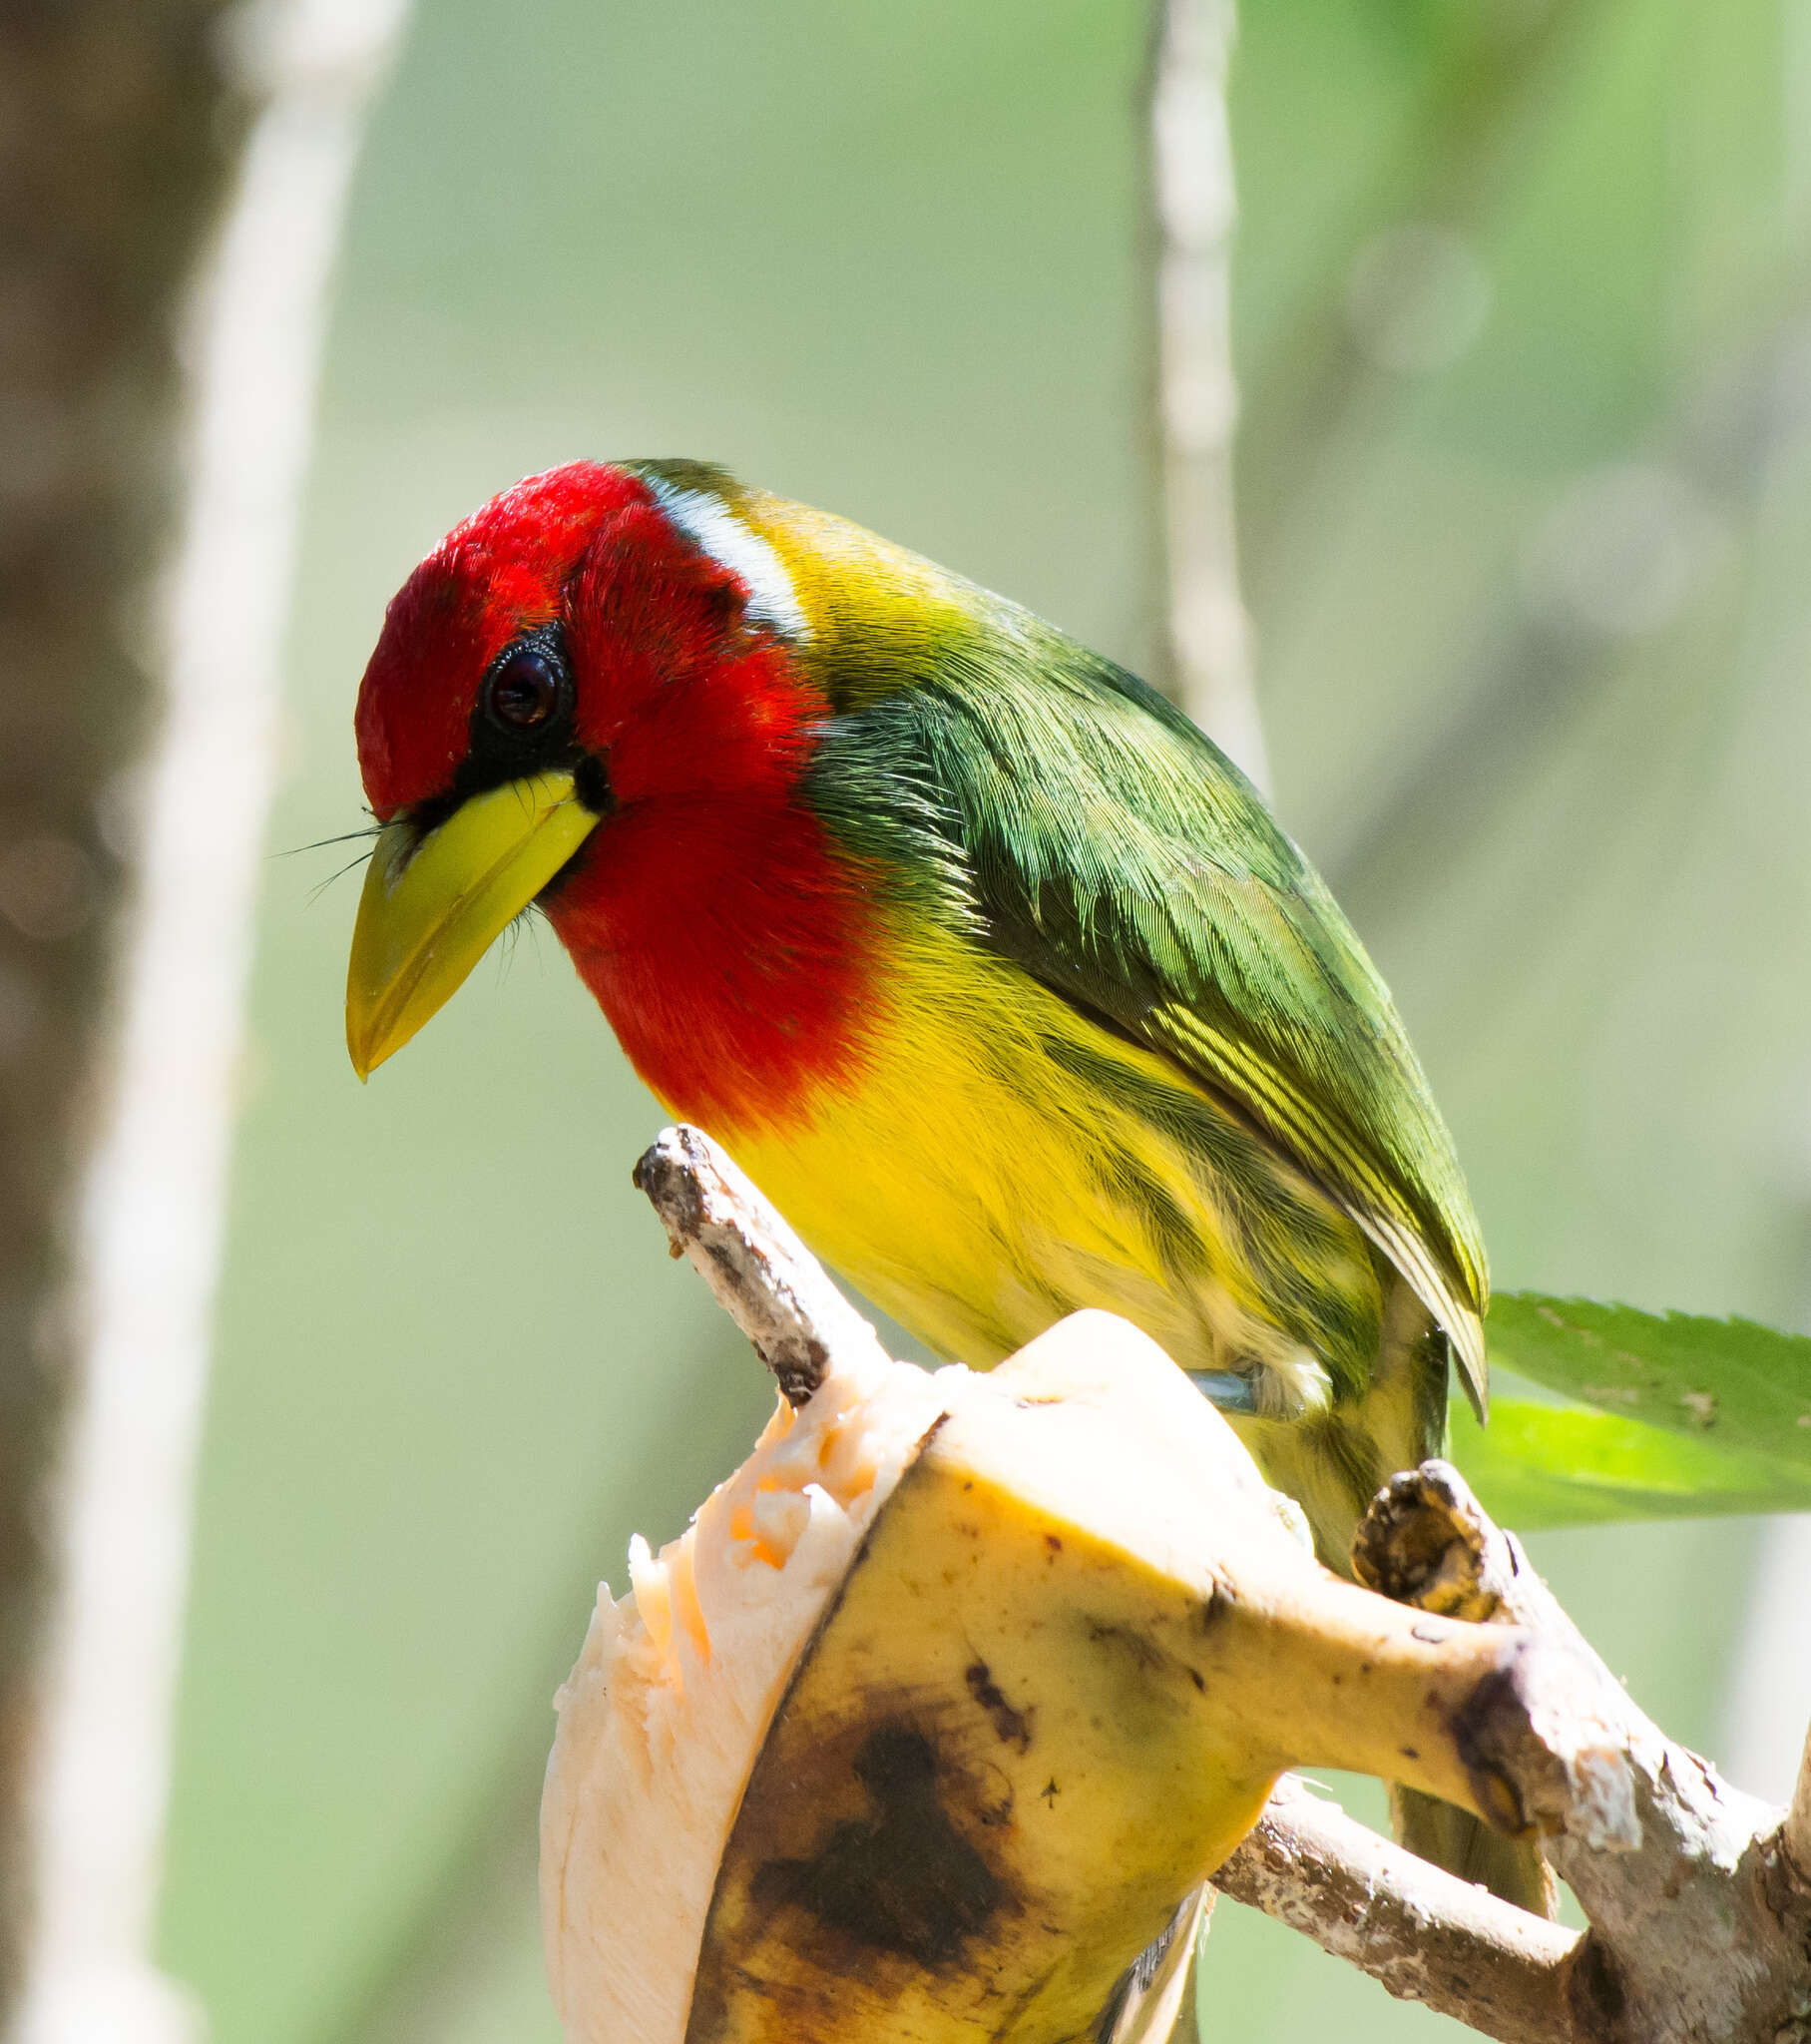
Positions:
(117, 128)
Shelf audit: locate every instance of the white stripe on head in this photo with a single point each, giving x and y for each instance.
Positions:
(715, 529)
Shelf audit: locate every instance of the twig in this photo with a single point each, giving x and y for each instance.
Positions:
(758, 1270)
(1427, 1541)
(1699, 1906)
(1424, 1933)
(1198, 400)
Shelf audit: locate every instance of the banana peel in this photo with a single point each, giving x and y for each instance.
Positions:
(1065, 1648)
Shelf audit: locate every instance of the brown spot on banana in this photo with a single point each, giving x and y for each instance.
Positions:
(1014, 1727)
(901, 1879)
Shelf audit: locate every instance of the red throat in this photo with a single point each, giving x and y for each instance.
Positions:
(729, 942)
(726, 938)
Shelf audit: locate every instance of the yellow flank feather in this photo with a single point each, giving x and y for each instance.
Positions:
(962, 1149)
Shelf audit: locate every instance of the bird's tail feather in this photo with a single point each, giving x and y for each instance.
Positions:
(1509, 1867)
(1154, 2002)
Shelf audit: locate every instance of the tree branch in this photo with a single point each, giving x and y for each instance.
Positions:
(1700, 1927)
(1427, 1541)
(1427, 1935)
(1697, 1896)
(758, 1270)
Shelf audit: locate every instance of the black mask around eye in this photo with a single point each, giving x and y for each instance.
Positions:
(522, 721)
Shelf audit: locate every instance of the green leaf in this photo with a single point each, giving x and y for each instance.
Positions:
(1745, 1387)
(1543, 1465)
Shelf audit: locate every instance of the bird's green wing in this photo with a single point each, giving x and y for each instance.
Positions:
(1102, 842)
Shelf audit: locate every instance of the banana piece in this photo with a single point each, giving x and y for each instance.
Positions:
(673, 1690)
(1036, 1653)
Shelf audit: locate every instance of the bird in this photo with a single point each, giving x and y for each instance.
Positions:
(988, 966)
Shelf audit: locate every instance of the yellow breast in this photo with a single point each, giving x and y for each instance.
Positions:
(976, 1183)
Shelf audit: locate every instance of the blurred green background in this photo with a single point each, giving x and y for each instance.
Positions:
(1526, 498)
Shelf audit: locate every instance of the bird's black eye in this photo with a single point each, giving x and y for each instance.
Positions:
(526, 691)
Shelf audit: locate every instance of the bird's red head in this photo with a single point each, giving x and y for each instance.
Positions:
(621, 646)
(582, 618)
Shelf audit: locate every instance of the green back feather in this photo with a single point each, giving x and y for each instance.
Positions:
(1080, 825)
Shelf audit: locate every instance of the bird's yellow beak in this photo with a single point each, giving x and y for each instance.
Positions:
(432, 905)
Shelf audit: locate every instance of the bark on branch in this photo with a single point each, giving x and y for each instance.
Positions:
(1701, 1928)
(758, 1270)
(1697, 1896)
(1427, 1935)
